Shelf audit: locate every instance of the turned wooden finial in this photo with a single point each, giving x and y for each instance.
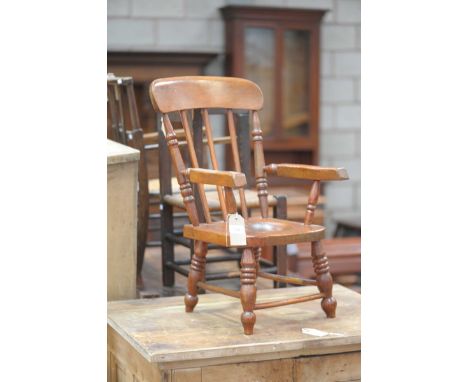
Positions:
(259, 161)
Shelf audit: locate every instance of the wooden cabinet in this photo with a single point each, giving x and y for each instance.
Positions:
(279, 50)
(155, 340)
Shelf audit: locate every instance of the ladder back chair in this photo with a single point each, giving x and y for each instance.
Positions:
(170, 201)
(182, 94)
(125, 129)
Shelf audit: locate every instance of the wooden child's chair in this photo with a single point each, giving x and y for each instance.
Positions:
(182, 94)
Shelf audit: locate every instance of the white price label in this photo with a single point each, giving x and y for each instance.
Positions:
(236, 230)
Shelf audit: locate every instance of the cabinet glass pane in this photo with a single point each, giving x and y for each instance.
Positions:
(296, 83)
(260, 68)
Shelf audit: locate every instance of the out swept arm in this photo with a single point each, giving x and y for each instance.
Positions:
(303, 171)
(314, 173)
(229, 179)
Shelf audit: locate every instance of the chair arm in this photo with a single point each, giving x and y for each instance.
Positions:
(303, 171)
(229, 179)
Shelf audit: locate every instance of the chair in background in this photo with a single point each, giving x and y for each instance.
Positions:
(182, 94)
(125, 128)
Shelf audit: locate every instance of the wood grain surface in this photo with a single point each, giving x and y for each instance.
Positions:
(161, 332)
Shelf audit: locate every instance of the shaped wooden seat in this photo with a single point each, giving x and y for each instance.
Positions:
(260, 232)
(183, 94)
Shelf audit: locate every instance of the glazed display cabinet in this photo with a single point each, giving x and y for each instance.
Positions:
(278, 48)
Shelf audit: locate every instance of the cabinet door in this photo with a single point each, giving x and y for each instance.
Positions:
(259, 67)
(296, 83)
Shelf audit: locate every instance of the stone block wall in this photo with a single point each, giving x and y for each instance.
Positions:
(196, 25)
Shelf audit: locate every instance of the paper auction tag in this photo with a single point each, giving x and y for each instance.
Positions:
(236, 230)
(319, 333)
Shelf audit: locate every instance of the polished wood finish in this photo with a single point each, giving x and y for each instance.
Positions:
(218, 289)
(204, 92)
(236, 157)
(193, 93)
(194, 159)
(230, 179)
(287, 279)
(260, 232)
(197, 272)
(214, 160)
(259, 164)
(312, 202)
(147, 340)
(324, 279)
(301, 171)
(178, 162)
(248, 289)
(296, 300)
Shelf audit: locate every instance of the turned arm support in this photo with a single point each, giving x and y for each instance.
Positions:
(230, 179)
(303, 171)
(314, 173)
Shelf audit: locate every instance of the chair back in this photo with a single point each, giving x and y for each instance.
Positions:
(193, 98)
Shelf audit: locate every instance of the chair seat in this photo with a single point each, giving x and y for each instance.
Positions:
(260, 232)
(251, 199)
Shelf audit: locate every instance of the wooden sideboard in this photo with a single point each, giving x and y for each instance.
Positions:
(122, 178)
(155, 340)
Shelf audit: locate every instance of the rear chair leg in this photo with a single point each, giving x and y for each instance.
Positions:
(280, 211)
(324, 279)
(167, 245)
(196, 274)
(248, 290)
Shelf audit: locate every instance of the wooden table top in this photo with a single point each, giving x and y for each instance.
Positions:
(118, 153)
(162, 332)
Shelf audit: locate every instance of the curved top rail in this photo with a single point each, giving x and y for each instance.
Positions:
(204, 92)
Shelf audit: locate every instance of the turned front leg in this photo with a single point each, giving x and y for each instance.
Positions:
(248, 290)
(196, 274)
(324, 278)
